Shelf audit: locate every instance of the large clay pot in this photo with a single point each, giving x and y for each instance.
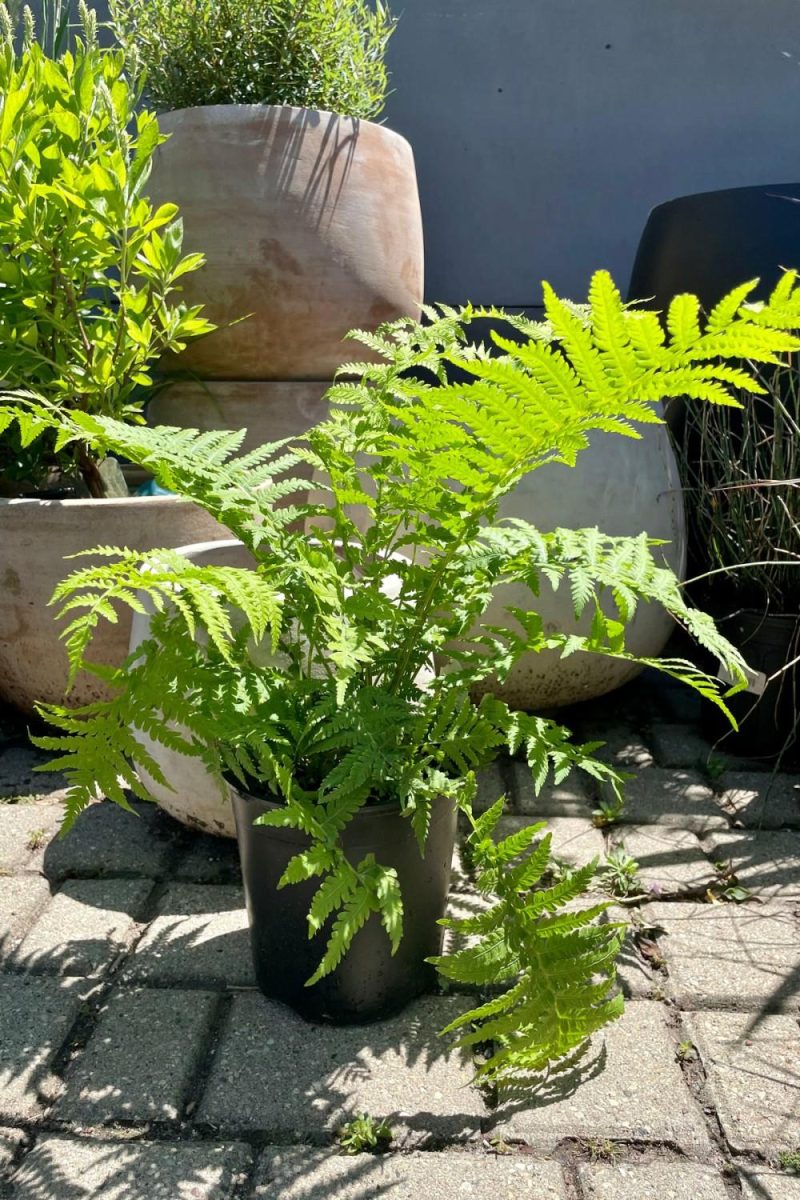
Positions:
(268, 411)
(35, 538)
(311, 227)
(625, 488)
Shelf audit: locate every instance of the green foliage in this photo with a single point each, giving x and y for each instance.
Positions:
(790, 1161)
(620, 873)
(88, 268)
(326, 54)
(554, 959)
(364, 1135)
(310, 676)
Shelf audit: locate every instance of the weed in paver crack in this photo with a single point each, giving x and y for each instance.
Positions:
(36, 838)
(619, 874)
(790, 1161)
(364, 1135)
(602, 1150)
(607, 813)
(686, 1052)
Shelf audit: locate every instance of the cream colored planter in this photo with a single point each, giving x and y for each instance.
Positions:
(624, 488)
(36, 536)
(194, 797)
(268, 411)
(310, 224)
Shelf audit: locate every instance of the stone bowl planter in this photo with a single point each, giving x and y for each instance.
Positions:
(268, 411)
(311, 226)
(622, 487)
(36, 536)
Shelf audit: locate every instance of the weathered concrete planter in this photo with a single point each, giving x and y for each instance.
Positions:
(310, 223)
(623, 487)
(268, 411)
(35, 538)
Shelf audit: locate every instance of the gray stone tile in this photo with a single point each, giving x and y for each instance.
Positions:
(632, 1089)
(758, 1184)
(652, 1181)
(761, 801)
(208, 860)
(22, 898)
(201, 936)
(634, 976)
(18, 776)
(35, 1017)
(141, 1059)
(304, 1174)
(730, 955)
(671, 861)
(10, 1142)
(84, 928)
(65, 1168)
(25, 831)
(491, 786)
(658, 796)
(766, 862)
(571, 798)
(678, 745)
(622, 747)
(752, 1063)
(575, 839)
(107, 840)
(276, 1075)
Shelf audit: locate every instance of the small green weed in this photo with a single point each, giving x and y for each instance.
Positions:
(686, 1052)
(620, 873)
(37, 838)
(602, 1150)
(608, 812)
(364, 1135)
(790, 1161)
(714, 767)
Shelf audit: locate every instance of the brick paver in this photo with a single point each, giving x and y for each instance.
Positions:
(27, 830)
(730, 956)
(679, 745)
(767, 1185)
(753, 1069)
(35, 1017)
(141, 1058)
(200, 936)
(681, 799)
(652, 1181)
(61, 1168)
(765, 862)
(571, 798)
(276, 1075)
(302, 1174)
(84, 928)
(18, 776)
(761, 800)
(107, 840)
(10, 1142)
(22, 898)
(671, 861)
(575, 839)
(636, 1093)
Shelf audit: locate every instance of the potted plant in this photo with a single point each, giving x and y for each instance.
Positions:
(740, 470)
(303, 680)
(307, 208)
(89, 269)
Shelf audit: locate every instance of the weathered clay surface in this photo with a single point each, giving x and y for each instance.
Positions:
(35, 538)
(310, 224)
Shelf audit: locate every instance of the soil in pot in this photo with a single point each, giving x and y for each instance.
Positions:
(769, 724)
(370, 983)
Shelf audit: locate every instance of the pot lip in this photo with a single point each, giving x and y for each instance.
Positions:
(390, 808)
(76, 502)
(219, 114)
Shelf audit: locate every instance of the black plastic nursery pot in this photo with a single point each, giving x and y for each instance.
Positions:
(769, 724)
(370, 982)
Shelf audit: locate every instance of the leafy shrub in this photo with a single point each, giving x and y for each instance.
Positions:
(304, 677)
(326, 54)
(88, 268)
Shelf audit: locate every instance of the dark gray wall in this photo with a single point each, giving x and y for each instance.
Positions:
(545, 130)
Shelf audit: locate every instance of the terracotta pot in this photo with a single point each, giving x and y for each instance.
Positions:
(310, 223)
(268, 411)
(35, 538)
(622, 487)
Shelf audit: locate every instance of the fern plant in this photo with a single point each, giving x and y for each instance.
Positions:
(308, 676)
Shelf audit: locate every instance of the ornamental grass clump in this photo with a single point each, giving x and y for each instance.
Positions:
(327, 54)
(307, 678)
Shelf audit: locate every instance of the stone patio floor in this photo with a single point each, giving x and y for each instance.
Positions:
(138, 1061)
